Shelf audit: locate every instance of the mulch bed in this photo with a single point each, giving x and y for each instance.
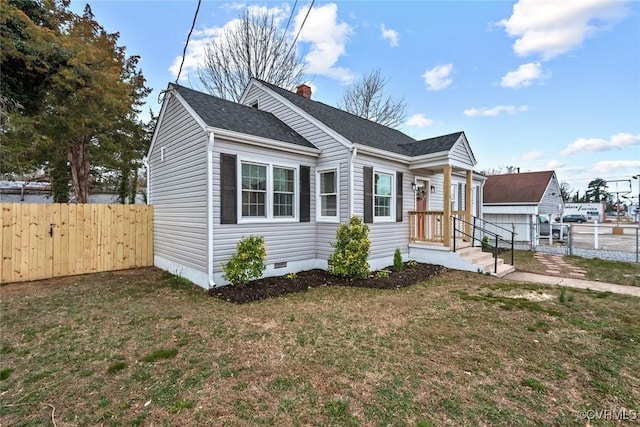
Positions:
(272, 287)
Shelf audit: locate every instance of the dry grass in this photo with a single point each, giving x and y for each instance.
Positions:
(463, 349)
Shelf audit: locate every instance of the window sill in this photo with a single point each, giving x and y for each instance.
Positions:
(329, 220)
(267, 220)
(384, 219)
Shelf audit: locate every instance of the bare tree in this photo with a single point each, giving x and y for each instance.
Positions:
(366, 98)
(565, 191)
(501, 170)
(254, 47)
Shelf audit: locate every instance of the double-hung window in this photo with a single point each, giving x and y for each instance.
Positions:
(328, 195)
(254, 190)
(268, 191)
(283, 192)
(382, 195)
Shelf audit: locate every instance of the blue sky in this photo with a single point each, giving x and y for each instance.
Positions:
(535, 84)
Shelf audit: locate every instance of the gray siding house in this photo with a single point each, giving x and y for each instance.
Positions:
(291, 169)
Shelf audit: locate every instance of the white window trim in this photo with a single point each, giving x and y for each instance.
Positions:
(270, 218)
(319, 216)
(454, 196)
(392, 210)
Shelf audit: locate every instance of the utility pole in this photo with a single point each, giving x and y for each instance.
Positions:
(637, 210)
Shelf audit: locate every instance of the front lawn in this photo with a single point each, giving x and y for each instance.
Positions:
(462, 349)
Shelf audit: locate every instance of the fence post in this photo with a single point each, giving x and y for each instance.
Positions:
(570, 240)
(595, 234)
(533, 231)
(637, 241)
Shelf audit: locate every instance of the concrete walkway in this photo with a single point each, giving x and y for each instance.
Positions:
(573, 283)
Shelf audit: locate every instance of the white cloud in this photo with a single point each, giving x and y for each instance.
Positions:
(554, 164)
(533, 155)
(438, 77)
(492, 112)
(607, 166)
(391, 35)
(419, 120)
(524, 76)
(591, 145)
(552, 28)
(327, 38)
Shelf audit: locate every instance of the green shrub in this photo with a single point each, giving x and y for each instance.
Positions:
(397, 260)
(382, 274)
(248, 263)
(485, 243)
(351, 253)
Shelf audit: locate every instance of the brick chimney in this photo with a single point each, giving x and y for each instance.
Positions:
(304, 90)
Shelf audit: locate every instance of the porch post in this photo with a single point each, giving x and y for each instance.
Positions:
(467, 204)
(446, 227)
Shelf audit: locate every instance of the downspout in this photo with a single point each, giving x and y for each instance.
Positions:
(354, 152)
(212, 284)
(145, 163)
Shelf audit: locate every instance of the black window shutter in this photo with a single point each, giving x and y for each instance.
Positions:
(305, 194)
(399, 197)
(228, 190)
(368, 194)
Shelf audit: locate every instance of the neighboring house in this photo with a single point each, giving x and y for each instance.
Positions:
(291, 169)
(515, 201)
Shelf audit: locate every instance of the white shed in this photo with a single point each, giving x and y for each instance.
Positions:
(514, 201)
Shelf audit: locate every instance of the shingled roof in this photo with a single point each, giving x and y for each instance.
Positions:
(365, 132)
(220, 113)
(528, 187)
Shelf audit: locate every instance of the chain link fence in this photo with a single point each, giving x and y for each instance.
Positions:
(604, 241)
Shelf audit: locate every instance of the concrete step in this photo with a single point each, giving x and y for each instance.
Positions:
(476, 256)
(484, 260)
(503, 269)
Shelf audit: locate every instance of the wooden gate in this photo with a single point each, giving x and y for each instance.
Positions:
(40, 241)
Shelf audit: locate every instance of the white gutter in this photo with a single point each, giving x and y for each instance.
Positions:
(212, 284)
(382, 153)
(263, 142)
(145, 163)
(354, 152)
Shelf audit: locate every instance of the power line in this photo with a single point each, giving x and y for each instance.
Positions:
(184, 51)
(289, 21)
(301, 26)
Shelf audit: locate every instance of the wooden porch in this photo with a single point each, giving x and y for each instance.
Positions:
(436, 227)
(431, 227)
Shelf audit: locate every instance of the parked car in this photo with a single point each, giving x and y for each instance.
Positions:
(556, 229)
(575, 218)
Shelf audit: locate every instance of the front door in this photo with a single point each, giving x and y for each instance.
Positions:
(422, 195)
(422, 205)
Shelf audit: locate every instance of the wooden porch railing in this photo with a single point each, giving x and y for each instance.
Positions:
(426, 226)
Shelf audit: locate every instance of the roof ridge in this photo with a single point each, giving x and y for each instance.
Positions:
(355, 116)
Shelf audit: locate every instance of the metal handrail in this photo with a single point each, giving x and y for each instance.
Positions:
(485, 232)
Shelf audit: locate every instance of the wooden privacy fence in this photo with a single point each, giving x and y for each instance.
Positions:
(40, 241)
